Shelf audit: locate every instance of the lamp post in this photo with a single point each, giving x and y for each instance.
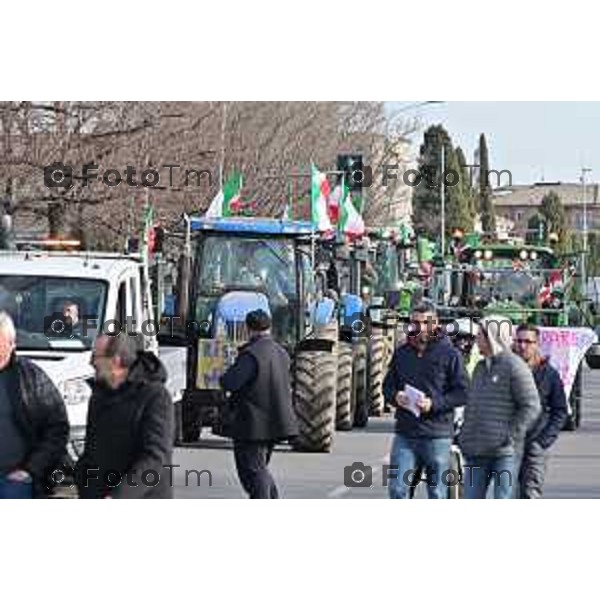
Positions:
(443, 201)
(584, 172)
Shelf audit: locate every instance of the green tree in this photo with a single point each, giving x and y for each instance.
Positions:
(536, 230)
(466, 184)
(552, 213)
(486, 205)
(459, 203)
(426, 195)
(593, 263)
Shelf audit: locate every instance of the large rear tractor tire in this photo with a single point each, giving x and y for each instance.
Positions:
(390, 347)
(360, 388)
(344, 418)
(377, 354)
(315, 384)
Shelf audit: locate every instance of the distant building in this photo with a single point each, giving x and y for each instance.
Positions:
(504, 227)
(518, 203)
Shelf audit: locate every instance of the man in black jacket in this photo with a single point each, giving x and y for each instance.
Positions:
(546, 428)
(259, 382)
(34, 428)
(429, 363)
(130, 425)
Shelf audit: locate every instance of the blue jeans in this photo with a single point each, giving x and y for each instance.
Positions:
(408, 455)
(14, 490)
(480, 471)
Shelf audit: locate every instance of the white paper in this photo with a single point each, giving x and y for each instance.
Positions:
(413, 396)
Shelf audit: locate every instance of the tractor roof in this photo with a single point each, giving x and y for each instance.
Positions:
(251, 226)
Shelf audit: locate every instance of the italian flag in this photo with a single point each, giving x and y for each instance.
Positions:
(351, 222)
(319, 193)
(228, 201)
(333, 203)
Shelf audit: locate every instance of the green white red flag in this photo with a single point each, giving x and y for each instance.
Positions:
(319, 193)
(351, 222)
(228, 201)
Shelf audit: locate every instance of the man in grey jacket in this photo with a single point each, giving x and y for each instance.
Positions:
(504, 402)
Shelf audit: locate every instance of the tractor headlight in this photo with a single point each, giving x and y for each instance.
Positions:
(75, 391)
(488, 255)
(533, 255)
(478, 254)
(523, 255)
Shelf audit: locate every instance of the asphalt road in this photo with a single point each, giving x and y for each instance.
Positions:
(574, 468)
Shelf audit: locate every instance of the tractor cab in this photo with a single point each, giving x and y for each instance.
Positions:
(522, 281)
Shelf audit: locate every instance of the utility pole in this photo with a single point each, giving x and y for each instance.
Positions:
(584, 172)
(223, 130)
(443, 196)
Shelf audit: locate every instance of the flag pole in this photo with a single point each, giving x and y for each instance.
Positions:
(222, 161)
(312, 220)
(340, 235)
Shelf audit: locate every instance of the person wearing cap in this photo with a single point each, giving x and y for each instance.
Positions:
(503, 404)
(544, 432)
(465, 333)
(261, 394)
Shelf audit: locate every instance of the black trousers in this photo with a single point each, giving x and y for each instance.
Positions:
(252, 464)
(532, 472)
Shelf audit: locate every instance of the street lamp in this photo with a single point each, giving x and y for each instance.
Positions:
(584, 172)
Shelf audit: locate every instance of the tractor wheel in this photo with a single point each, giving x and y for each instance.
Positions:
(315, 382)
(360, 388)
(344, 418)
(390, 346)
(376, 374)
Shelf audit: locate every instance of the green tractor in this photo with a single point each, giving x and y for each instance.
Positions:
(525, 283)
(395, 289)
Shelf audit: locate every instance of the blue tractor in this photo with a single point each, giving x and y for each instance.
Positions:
(230, 267)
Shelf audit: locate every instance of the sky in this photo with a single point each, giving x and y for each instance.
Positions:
(536, 141)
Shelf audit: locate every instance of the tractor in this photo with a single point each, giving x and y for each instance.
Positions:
(395, 290)
(229, 267)
(526, 283)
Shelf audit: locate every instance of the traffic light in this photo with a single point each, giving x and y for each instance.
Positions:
(356, 174)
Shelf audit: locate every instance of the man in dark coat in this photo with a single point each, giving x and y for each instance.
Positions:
(130, 425)
(34, 428)
(544, 432)
(431, 365)
(259, 382)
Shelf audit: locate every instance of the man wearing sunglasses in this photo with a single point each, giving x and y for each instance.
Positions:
(546, 428)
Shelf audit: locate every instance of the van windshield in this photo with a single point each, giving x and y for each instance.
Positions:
(53, 312)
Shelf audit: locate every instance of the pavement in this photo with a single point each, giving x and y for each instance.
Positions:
(573, 472)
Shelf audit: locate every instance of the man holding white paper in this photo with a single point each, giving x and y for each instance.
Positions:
(426, 381)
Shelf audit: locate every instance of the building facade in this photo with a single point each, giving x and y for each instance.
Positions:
(518, 203)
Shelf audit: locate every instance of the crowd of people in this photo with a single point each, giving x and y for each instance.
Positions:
(512, 400)
(514, 408)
